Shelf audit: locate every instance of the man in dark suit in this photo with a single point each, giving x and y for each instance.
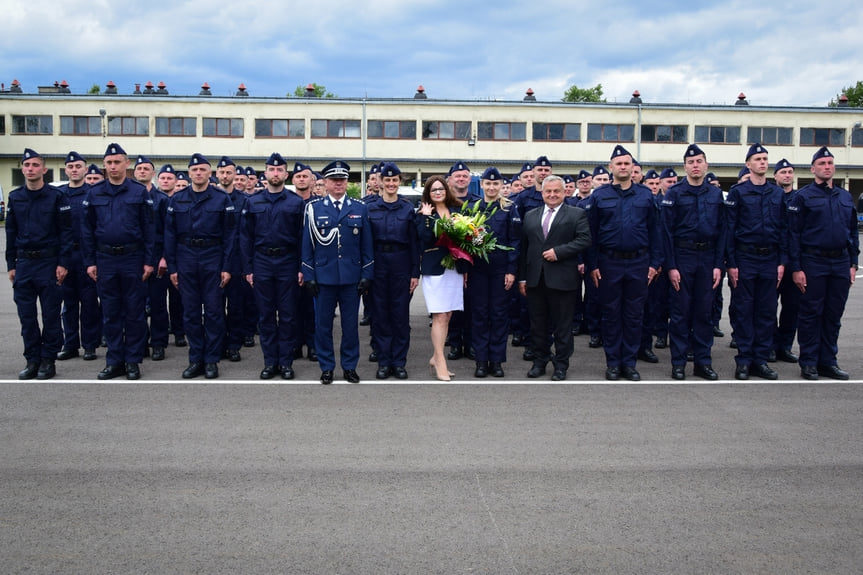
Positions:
(552, 236)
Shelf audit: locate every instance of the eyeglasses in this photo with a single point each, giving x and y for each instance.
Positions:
(438, 190)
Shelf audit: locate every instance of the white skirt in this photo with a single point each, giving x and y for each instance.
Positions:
(444, 292)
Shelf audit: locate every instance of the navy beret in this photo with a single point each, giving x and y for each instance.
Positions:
(299, 167)
(526, 167)
(822, 153)
(30, 154)
(599, 170)
(144, 160)
(651, 175)
(742, 172)
(458, 167)
(275, 159)
(225, 162)
(492, 174)
(250, 171)
(567, 179)
(197, 160)
(668, 173)
(183, 176)
(74, 157)
(619, 151)
(167, 169)
(583, 175)
(711, 177)
(781, 165)
(755, 148)
(93, 169)
(114, 149)
(693, 150)
(389, 170)
(543, 161)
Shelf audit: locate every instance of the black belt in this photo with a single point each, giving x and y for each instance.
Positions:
(756, 249)
(76, 245)
(202, 242)
(618, 255)
(824, 253)
(389, 247)
(38, 254)
(697, 246)
(120, 249)
(275, 251)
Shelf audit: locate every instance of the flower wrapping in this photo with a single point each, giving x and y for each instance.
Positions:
(466, 236)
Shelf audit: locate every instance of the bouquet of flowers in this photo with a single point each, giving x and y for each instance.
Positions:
(466, 236)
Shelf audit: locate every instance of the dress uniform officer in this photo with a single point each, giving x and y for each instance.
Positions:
(226, 171)
(118, 240)
(489, 282)
(623, 260)
(755, 254)
(789, 295)
(397, 272)
(82, 318)
(199, 241)
(693, 227)
(303, 179)
(338, 266)
(271, 237)
(38, 246)
(823, 255)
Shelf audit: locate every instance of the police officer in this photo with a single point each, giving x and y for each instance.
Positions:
(755, 253)
(118, 242)
(824, 250)
(199, 241)
(789, 295)
(271, 237)
(656, 305)
(157, 284)
(226, 171)
(303, 178)
(397, 260)
(490, 281)
(94, 175)
(338, 266)
(166, 182)
(82, 318)
(600, 177)
(38, 245)
(623, 260)
(693, 227)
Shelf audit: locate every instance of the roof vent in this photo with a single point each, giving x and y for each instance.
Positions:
(529, 97)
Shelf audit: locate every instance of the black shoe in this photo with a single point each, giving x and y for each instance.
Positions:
(595, 341)
(733, 344)
(528, 354)
(576, 330)
(690, 356)
(146, 351)
(630, 373)
(809, 372)
(89, 354)
(495, 368)
(661, 343)
(763, 371)
(771, 357)
(705, 371)
(558, 375)
(678, 372)
(400, 372)
(233, 355)
(383, 372)
(313, 355)
(469, 353)
(832, 371)
(481, 369)
(648, 356)
(454, 353)
(327, 377)
(180, 341)
(373, 357)
(195, 369)
(269, 371)
(741, 372)
(30, 371)
(249, 341)
(717, 332)
(133, 371)
(786, 356)
(612, 373)
(47, 370)
(517, 340)
(112, 371)
(298, 352)
(103, 342)
(536, 371)
(158, 354)
(351, 376)
(211, 370)
(67, 354)
(366, 320)
(287, 372)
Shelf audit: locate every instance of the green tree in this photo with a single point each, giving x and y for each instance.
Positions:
(854, 95)
(94, 89)
(320, 91)
(576, 94)
(354, 190)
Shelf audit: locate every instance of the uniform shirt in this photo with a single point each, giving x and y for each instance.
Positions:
(118, 215)
(528, 199)
(338, 247)
(693, 214)
(76, 197)
(207, 215)
(755, 215)
(37, 220)
(393, 223)
(160, 212)
(271, 221)
(822, 218)
(239, 200)
(505, 225)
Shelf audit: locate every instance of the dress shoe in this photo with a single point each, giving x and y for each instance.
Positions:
(595, 341)
(327, 377)
(705, 371)
(558, 375)
(373, 357)
(180, 341)
(495, 369)
(741, 372)
(733, 344)
(612, 373)
(661, 343)
(30, 371)
(269, 371)
(133, 371)
(536, 371)
(717, 332)
(158, 354)
(786, 356)
(287, 372)
(351, 376)
(366, 320)
(383, 372)
(400, 372)
(89, 354)
(517, 340)
(763, 371)
(211, 370)
(47, 370)
(678, 372)
(112, 371)
(455, 353)
(233, 355)
(576, 330)
(630, 373)
(771, 357)
(648, 356)
(528, 355)
(832, 371)
(313, 355)
(469, 353)
(690, 356)
(481, 369)
(66, 353)
(809, 372)
(195, 369)
(249, 341)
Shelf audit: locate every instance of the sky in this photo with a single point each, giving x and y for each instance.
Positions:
(793, 53)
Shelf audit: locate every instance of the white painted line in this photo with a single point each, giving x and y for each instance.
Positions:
(410, 382)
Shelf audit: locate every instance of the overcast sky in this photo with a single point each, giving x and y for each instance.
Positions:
(795, 53)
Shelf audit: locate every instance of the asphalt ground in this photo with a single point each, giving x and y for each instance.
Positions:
(237, 475)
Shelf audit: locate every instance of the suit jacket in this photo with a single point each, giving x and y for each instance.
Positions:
(431, 253)
(569, 235)
(338, 248)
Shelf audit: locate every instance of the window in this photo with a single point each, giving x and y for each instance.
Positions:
(392, 129)
(335, 128)
(717, 134)
(857, 137)
(280, 128)
(610, 132)
(556, 132)
(175, 126)
(2, 124)
(822, 136)
(501, 131)
(769, 136)
(32, 125)
(81, 125)
(446, 130)
(655, 133)
(128, 126)
(223, 127)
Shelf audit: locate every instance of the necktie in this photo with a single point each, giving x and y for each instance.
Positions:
(546, 222)
(338, 205)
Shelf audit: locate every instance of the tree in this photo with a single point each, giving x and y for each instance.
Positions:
(94, 89)
(854, 95)
(576, 94)
(320, 91)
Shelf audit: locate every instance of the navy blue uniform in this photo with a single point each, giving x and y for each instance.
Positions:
(199, 241)
(655, 321)
(526, 200)
(789, 296)
(38, 240)
(158, 282)
(305, 330)
(119, 238)
(235, 333)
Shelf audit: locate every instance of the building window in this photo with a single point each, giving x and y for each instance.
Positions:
(822, 136)
(446, 130)
(655, 133)
(336, 128)
(265, 128)
(556, 132)
(857, 137)
(128, 126)
(502, 131)
(81, 125)
(610, 133)
(392, 129)
(32, 125)
(175, 126)
(717, 134)
(769, 136)
(2, 124)
(223, 127)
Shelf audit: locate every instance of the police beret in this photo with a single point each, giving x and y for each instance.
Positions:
(636, 162)
(275, 159)
(507, 181)
(693, 150)
(711, 177)
(241, 171)
(567, 179)
(526, 167)
(225, 162)
(338, 169)
(74, 157)
(781, 165)
(743, 171)
(583, 175)
(492, 174)
(668, 173)
(214, 180)
(651, 175)
(167, 169)
(599, 170)
(318, 175)
(375, 169)
(114, 149)
(30, 154)
(389, 170)
(299, 167)
(93, 169)
(183, 176)
(250, 171)
(144, 160)
(543, 161)
(755, 148)
(619, 151)
(822, 153)
(197, 160)
(458, 167)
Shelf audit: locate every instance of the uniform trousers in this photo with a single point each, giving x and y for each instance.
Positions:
(821, 309)
(622, 292)
(159, 321)
(786, 328)
(752, 310)
(36, 280)
(123, 295)
(277, 293)
(390, 300)
(348, 300)
(82, 318)
(489, 314)
(199, 278)
(690, 308)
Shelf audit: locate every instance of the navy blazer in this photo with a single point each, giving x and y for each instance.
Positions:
(432, 254)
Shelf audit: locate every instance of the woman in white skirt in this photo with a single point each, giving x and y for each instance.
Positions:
(443, 288)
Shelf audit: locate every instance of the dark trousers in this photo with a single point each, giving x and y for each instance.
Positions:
(490, 319)
(203, 303)
(157, 288)
(551, 309)
(691, 308)
(390, 308)
(36, 280)
(623, 291)
(348, 300)
(123, 295)
(175, 311)
(753, 310)
(234, 308)
(789, 296)
(277, 293)
(821, 309)
(82, 318)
